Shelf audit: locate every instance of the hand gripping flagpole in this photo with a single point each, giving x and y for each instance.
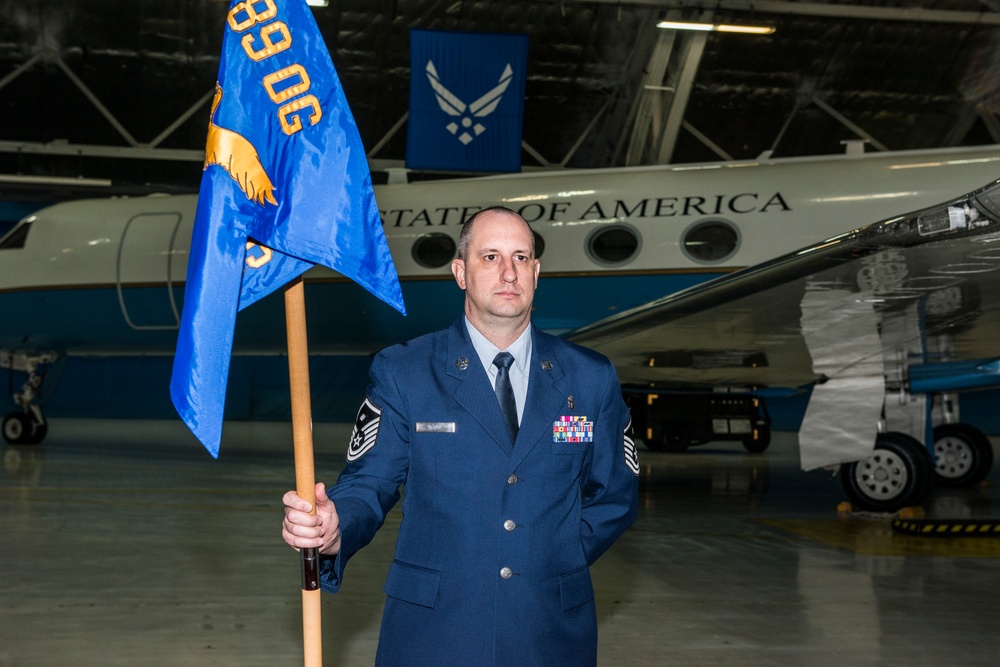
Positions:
(305, 478)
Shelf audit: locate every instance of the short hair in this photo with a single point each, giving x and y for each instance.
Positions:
(466, 234)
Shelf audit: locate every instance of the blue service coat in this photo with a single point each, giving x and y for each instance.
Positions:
(492, 560)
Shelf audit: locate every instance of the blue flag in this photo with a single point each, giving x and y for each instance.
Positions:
(466, 100)
(286, 186)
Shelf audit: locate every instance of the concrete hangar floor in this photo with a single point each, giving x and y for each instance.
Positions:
(124, 543)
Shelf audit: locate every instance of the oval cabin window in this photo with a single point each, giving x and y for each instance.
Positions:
(432, 251)
(614, 245)
(711, 241)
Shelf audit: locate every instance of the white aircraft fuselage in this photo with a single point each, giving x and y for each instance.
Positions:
(104, 277)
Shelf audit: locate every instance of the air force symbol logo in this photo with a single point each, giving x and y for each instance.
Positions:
(365, 433)
(467, 110)
(631, 455)
(455, 107)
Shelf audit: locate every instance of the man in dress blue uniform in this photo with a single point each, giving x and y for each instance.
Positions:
(518, 472)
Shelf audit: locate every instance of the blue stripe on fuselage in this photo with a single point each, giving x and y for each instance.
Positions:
(340, 314)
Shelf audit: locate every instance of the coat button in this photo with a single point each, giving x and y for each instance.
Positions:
(509, 525)
(512, 479)
(505, 573)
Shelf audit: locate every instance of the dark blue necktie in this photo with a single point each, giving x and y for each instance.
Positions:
(505, 392)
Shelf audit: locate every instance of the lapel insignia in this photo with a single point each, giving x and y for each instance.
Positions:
(461, 363)
(569, 399)
(547, 366)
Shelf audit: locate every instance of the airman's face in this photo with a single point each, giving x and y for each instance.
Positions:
(499, 273)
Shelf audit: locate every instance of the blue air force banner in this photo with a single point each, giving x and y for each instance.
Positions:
(466, 100)
(285, 186)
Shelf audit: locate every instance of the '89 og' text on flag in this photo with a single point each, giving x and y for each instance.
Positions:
(286, 186)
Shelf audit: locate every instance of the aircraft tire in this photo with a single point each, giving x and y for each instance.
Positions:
(963, 455)
(762, 442)
(898, 474)
(17, 428)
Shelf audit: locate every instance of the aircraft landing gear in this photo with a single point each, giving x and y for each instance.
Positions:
(897, 475)
(26, 426)
(963, 455)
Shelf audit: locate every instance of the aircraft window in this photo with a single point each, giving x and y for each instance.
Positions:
(710, 241)
(614, 245)
(432, 251)
(539, 244)
(16, 237)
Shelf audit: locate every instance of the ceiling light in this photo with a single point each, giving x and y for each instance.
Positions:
(717, 27)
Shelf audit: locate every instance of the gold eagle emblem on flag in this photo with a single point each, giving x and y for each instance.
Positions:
(238, 157)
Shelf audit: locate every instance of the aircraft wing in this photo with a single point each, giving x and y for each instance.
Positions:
(861, 314)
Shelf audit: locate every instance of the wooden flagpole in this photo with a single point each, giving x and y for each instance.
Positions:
(305, 477)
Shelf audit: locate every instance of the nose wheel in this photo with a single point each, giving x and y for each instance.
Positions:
(21, 428)
(26, 426)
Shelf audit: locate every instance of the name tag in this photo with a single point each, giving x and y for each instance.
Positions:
(435, 427)
(572, 429)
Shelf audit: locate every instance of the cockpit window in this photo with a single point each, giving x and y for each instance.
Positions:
(16, 237)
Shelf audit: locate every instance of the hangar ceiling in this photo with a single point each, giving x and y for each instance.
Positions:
(103, 97)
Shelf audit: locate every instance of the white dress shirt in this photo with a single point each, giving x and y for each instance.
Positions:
(520, 349)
